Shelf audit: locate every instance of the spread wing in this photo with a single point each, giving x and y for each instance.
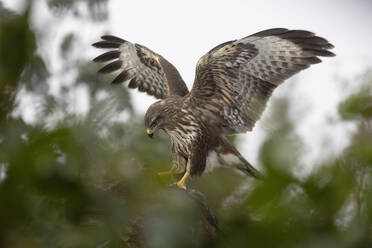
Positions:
(235, 79)
(141, 67)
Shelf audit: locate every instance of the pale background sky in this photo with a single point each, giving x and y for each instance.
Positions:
(182, 31)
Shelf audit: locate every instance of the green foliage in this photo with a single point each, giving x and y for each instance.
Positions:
(5, 14)
(360, 103)
(16, 32)
(91, 180)
(13, 30)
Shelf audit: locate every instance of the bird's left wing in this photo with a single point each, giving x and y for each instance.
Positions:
(141, 67)
(235, 79)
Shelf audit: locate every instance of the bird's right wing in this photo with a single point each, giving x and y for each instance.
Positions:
(141, 67)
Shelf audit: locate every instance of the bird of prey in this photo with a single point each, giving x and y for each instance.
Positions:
(233, 83)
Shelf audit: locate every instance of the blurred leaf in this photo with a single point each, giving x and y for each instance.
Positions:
(35, 75)
(66, 45)
(97, 9)
(17, 44)
(60, 5)
(5, 14)
(115, 97)
(359, 104)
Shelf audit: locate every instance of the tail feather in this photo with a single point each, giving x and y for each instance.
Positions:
(248, 169)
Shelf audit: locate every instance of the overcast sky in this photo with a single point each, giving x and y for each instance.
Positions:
(182, 31)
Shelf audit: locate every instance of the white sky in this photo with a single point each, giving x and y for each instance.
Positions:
(182, 31)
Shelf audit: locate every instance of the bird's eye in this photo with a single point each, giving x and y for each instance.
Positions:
(154, 123)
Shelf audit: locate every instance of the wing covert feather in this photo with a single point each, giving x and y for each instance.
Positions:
(234, 80)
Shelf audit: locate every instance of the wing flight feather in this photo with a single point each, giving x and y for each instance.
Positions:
(140, 67)
(235, 79)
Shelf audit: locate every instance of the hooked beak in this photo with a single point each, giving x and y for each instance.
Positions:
(149, 132)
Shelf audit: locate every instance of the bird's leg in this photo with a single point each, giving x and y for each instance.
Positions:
(182, 182)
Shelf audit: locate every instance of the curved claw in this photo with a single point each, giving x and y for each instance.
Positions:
(180, 185)
(182, 182)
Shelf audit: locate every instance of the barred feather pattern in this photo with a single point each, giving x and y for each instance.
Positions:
(183, 139)
(181, 124)
(235, 80)
(141, 68)
(185, 132)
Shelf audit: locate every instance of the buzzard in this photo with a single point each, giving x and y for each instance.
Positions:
(233, 83)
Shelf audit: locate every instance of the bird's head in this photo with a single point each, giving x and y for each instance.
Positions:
(154, 119)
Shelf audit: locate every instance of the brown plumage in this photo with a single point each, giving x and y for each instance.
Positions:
(232, 86)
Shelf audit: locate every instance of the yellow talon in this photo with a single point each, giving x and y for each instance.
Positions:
(182, 183)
